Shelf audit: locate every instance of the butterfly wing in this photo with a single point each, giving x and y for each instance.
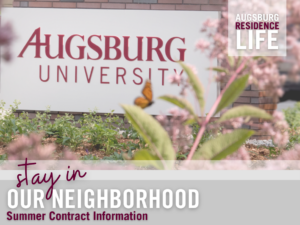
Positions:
(147, 91)
(141, 102)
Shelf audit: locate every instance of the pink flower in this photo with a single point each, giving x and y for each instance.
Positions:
(7, 55)
(162, 119)
(29, 147)
(237, 122)
(278, 116)
(174, 111)
(291, 154)
(202, 45)
(280, 92)
(211, 23)
(183, 92)
(175, 79)
(6, 34)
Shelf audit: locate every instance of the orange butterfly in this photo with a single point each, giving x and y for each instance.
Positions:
(145, 101)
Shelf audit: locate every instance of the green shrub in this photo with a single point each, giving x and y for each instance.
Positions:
(101, 134)
(292, 116)
(89, 157)
(8, 125)
(208, 135)
(90, 128)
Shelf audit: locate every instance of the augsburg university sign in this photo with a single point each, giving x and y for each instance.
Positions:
(83, 59)
(120, 46)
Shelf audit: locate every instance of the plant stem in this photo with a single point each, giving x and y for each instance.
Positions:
(212, 110)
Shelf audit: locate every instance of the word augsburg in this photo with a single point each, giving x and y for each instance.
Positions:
(65, 47)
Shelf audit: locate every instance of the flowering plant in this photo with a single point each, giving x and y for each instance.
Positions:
(165, 138)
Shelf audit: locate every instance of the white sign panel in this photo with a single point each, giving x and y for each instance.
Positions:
(77, 59)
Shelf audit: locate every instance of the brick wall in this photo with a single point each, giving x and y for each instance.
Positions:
(203, 5)
(251, 96)
(258, 98)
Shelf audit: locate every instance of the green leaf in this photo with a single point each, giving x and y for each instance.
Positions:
(65, 140)
(219, 69)
(233, 92)
(196, 84)
(180, 102)
(152, 132)
(224, 145)
(231, 60)
(245, 111)
(145, 158)
(259, 57)
(256, 57)
(190, 122)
